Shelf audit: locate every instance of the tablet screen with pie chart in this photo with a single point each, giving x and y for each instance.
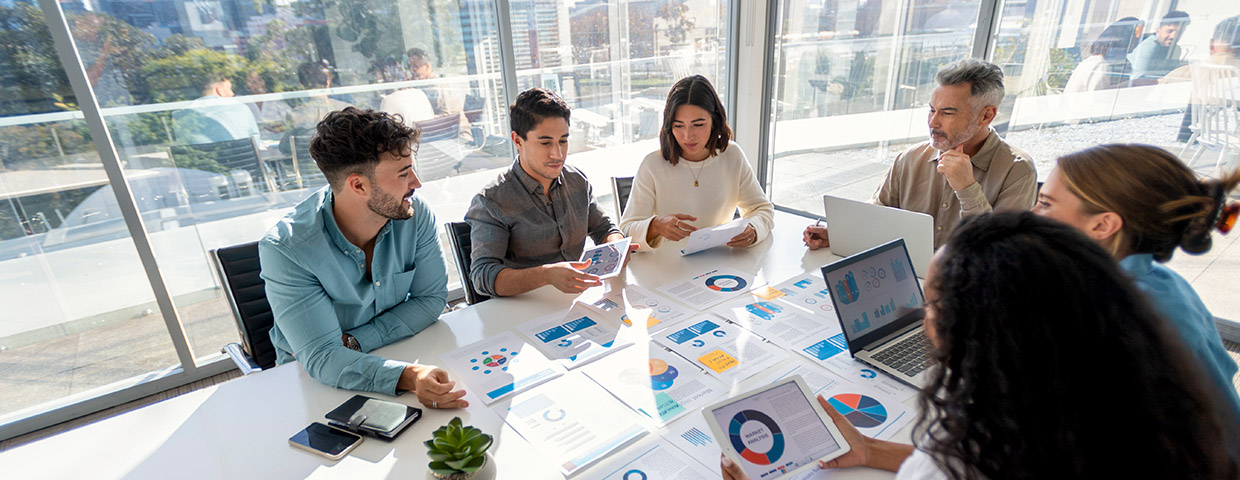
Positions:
(607, 259)
(776, 430)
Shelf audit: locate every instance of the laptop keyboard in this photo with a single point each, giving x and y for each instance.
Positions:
(909, 356)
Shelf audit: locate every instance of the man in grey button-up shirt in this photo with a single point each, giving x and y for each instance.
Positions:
(529, 226)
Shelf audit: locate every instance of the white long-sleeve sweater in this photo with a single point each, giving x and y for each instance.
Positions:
(726, 182)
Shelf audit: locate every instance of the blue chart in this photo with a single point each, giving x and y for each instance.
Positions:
(725, 283)
(696, 437)
(684, 335)
(897, 269)
(846, 290)
(634, 474)
(913, 303)
(738, 440)
(556, 333)
(827, 348)
(886, 309)
(860, 410)
(764, 310)
(860, 324)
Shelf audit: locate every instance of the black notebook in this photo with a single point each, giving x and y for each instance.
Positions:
(381, 418)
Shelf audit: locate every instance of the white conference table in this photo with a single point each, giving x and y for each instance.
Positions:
(239, 429)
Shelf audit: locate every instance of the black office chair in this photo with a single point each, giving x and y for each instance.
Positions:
(232, 155)
(238, 269)
(458, 236)
(621, 186)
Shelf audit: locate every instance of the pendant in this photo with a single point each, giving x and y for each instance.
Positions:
(695, 183)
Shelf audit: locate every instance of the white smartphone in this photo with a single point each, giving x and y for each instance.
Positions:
(329, 442)
(775, 431)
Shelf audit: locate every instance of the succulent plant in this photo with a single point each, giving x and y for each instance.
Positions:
(457, 450)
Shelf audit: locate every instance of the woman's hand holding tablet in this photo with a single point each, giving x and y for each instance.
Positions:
(779, 430)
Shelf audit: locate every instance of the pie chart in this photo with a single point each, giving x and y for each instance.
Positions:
(860, 410)
(738, 442)
(725, 283)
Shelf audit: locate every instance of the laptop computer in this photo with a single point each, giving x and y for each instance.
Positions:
(856, 226)
(878, 301)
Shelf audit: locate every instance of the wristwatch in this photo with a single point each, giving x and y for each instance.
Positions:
(351, 342)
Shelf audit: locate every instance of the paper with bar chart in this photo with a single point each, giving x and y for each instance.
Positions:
(707, 289)
(776, 321)
(575, 337)
(633, 304)
(810, 292)
(571, 421)
(693, 436)
(655, 382)
(723, 349)
(499, 366)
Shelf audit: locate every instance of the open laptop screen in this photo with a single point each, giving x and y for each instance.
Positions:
(875, 293)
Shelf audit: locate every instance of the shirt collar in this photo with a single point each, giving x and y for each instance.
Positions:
(1137, 264)
(531, 185)
(333, 229)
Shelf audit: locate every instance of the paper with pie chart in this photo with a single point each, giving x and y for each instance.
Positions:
(653, 460)
(575, 337)
(572, 421)
(723, 349)
(859, 373)
(655, 382)
(606, 260)
(708, 288)
(874, 412)
(809, 291)
(634, 302)
(500, 366)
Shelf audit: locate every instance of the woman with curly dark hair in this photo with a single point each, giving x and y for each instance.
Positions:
(1050, 364)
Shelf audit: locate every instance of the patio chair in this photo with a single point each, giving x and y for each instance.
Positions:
(1215, 111)
(234, 155)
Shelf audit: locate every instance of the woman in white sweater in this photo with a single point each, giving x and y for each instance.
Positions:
(698, 178)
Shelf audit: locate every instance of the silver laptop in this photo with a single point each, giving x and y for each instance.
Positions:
(857, 226)
(878, 301)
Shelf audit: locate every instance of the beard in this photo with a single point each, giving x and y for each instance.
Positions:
(949, 141)
(390, 207)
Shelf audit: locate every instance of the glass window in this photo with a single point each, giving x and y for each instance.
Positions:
(852, 78)
(614, 62)
(80, 317)
(213, 103)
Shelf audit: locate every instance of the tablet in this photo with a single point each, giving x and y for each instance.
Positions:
(607, 259)
(775, 431)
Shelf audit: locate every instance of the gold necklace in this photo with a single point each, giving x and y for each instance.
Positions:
(695, 175)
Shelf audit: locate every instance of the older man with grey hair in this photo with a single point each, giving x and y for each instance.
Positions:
(965, 169)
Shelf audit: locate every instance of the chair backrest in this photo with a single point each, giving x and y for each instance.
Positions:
(1215, 106)
(458, 237)
(443, 127)
(238, 268)
(304, 166)
(620, 187)
(239, 154)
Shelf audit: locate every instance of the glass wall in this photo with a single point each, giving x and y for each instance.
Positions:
(211, 105)
(852, 78)
(79, 312)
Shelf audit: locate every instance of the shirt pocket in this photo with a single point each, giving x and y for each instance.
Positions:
(393, 290)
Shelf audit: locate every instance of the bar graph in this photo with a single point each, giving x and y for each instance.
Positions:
(696, 437)
(897, 269)
(885, 309)
(913, 302)
(860, 324)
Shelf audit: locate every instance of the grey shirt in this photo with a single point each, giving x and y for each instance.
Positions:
(514, 224)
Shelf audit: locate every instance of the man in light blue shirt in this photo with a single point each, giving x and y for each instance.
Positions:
(1159, 54)
(214, 117)
(358, 265)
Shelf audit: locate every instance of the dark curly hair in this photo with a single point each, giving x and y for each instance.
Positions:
(532, 107)
(694, 90)
(1053, 365)
(1162, 203)
(350, 141)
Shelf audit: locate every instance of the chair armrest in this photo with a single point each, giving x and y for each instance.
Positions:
(238, 356)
